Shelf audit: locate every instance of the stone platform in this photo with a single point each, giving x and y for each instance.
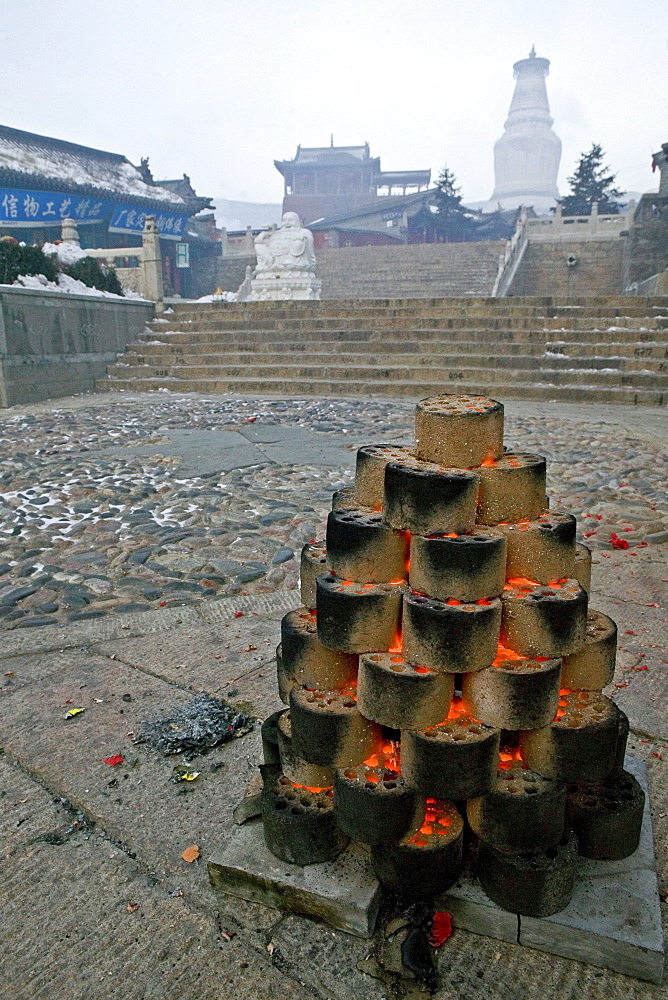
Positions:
(613, 919)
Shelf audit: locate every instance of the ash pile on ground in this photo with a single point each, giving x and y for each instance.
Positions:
(201, 725)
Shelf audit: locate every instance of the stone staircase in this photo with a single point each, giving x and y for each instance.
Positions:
(603, 349)
(408, 271)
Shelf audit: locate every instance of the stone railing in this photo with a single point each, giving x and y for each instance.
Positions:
(580, 227)
(238, 244)
(510, 260)
(554, 229)
(137, 268)
(656, 285)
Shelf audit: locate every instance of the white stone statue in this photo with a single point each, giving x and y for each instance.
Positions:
(285, 263)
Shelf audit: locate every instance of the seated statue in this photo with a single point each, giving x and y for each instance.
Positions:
(289, 248)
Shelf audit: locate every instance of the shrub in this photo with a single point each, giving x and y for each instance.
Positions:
(94, 274)
(16, 259)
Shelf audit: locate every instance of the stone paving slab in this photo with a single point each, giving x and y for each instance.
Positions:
(640, 578)
(320, 957)
(645, 698)
(27, 811)
(73, 634)
(206, 451)
(135, 802)
(18, 671)
(342, 892)
(80, 942)
(209, 658)
(471, 967)
(613, 919)
(272, 606)
(234, 659)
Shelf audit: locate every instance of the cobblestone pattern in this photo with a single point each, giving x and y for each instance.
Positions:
(85, 533)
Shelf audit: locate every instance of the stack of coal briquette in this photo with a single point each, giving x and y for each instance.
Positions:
(444, 678)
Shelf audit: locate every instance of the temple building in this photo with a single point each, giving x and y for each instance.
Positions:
(44, 180)
(327, 181)
(527, 155)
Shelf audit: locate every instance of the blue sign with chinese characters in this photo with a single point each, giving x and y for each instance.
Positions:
(130, 219)
(49, 208)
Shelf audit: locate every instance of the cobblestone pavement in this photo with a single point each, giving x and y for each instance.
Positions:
(157, 536)
(125, 503)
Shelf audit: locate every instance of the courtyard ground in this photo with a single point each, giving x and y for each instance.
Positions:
(149, 547)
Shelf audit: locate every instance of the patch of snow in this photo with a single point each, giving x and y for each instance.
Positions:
(67, 253)
(107, 171)
(65, 284)
(225, 297)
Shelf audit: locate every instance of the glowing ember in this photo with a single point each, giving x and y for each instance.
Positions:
(436, 823)
(307, 788)
(504, 654)
(506, 759)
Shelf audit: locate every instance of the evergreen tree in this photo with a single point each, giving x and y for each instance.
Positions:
(590, 183)
(451, 220)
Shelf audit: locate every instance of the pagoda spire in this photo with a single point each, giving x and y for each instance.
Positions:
(526, 157)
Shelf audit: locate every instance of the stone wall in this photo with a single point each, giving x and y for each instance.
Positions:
(231, 271)
(52, 344)
(544, 269)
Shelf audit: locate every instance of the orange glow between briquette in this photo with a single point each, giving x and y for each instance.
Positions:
(307, 788)
(506, 759)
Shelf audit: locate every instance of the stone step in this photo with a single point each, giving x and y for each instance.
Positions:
(607, 348)
(197, 366)
(417, 340)
(360, 373)
(407, 389)
(476, 320)
(203, 353)
(604, 306)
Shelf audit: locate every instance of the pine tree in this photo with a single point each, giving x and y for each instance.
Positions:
(451, 220)
(589, 184)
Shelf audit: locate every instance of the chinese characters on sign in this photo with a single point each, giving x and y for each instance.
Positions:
(49, 208)
(126, 219)
(44, 208)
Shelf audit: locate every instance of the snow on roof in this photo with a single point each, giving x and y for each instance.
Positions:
(38, 156)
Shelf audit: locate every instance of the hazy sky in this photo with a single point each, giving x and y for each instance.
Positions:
(220, 88)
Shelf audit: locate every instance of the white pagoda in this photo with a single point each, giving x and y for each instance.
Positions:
(527, 155)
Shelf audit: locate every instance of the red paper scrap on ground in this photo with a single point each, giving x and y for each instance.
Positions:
(441, 929)
(113, 761)
(617, 542)
(238, 614)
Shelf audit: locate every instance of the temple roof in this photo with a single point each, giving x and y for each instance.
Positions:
(30, 160)
(184, 189)
(310, 155)
(406, 177)
(377, 207)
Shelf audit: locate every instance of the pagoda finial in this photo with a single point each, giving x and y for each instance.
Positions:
(532, 54)
(331, 140)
